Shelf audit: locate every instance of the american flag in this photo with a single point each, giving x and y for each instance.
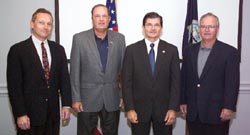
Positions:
(112, 9)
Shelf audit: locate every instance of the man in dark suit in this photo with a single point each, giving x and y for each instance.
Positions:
(151, 80)
(210, 82)
(37, 75)
(96, 60)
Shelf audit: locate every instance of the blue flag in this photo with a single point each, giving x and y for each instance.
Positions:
(191, 29)
(112, 9)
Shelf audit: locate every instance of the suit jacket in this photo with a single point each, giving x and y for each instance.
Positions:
(28, 91)
(90, 85)
(151, 96)
(216, 88)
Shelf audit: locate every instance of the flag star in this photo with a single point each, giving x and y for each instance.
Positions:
(112, 11)
(113, 22)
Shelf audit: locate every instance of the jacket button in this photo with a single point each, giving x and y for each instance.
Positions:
(198, 85)
(46, 100)
(48, 87)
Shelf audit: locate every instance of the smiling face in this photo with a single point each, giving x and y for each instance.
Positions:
(209, 28)
(100, 18)
(41, 26)
(152, 29)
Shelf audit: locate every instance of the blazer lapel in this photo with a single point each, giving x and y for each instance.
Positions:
(194, 59)
(210, 60)
(161, 53)
(93, 47)
(53, 59)
(35, 58)
(110, 49)
(142, 52)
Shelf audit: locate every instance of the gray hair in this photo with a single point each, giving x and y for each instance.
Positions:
(210, 14)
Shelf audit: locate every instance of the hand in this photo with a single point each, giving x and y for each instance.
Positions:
(119, 85)
(65, 113)
(77, 106)
(183, 109)
(23, 122)
(121, 105)
(226, 114)
(132, 116)
(170, 117)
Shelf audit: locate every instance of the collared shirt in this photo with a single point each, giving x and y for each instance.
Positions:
(156, 43)
(102, 45)
(202, 57)
(38, 47)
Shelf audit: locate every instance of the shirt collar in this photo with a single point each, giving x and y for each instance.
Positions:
(202, 47)
(36, 41)
(155, 42)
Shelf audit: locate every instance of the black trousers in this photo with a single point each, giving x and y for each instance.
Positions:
(50, 127)
(87, 122)
(143, 128)
(198, 128)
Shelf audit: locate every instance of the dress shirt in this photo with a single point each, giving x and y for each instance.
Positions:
(155, 46)
(38, 47)
(102, 45)
(202, 58)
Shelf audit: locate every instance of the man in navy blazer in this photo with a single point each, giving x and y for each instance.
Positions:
(151, 89)
(210, 82)
(33, 95)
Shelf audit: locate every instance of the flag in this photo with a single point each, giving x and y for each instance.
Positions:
(98, 131)
(191, 29)
(110, 4)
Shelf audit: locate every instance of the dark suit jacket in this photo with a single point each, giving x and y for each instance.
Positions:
(217, 86)
(151, 96)
(28, 91)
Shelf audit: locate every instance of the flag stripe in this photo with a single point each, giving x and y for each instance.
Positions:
(112, 10)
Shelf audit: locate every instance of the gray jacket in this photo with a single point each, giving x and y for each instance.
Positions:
(90, 85)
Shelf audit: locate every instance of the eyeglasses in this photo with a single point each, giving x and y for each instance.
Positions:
(208, 26)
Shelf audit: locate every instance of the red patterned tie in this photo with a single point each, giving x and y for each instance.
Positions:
(45, 62)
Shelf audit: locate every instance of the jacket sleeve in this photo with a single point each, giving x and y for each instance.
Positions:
(127, 80)
(15, 81)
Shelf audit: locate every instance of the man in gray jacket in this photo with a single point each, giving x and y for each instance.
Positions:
(96, 60)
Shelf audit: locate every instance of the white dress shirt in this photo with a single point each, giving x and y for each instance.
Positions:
(155, 46)
(38, 47)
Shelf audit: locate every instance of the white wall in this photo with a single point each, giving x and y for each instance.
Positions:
(75, 17)
(15, 16)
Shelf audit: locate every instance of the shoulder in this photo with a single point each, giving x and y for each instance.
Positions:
(21, 44)
(137, 44)
(115, 34)
(192, 47)
(167, 45)
(56, 45)
(83, 33)
(225, 46)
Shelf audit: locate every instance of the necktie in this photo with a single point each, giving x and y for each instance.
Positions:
(152, 58)
(45, 62)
